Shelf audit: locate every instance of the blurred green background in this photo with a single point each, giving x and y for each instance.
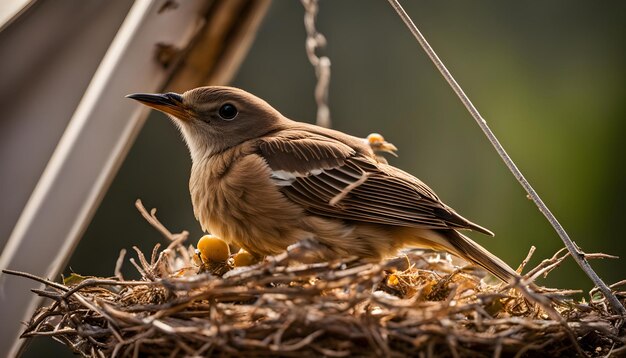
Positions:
(549, 77)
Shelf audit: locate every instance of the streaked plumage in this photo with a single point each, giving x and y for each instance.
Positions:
(263, 182)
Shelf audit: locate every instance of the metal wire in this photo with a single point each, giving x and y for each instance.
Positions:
(314, 42)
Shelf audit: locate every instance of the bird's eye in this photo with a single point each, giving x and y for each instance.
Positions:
(228, 111)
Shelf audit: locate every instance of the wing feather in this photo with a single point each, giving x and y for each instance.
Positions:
(330, 178)
(301, 152)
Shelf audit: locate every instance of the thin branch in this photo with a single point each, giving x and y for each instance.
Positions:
(46, 282)
(152, 219)
(118, 265)
(577, 254)
(525, 262)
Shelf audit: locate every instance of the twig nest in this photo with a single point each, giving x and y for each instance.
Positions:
(212, 248)
(244, 258)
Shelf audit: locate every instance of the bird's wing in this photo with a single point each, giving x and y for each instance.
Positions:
(329, 178)
(303, 153)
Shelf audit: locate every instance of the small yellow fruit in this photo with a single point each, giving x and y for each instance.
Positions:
(212, 248)
(244, 258)
(393, 280)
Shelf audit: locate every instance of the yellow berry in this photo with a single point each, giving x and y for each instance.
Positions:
(244, 258)
(393, 280)
(213, 248)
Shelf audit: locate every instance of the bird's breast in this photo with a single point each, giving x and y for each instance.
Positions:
(235, 198)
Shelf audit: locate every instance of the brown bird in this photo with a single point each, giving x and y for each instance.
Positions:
(263, 182)
(379, 145)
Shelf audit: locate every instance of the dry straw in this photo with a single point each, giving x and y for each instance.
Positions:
(419, 304)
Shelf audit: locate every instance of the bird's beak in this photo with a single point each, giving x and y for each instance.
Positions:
(170, 103)
(388, 148)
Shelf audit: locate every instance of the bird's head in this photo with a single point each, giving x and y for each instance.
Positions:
(213, 119)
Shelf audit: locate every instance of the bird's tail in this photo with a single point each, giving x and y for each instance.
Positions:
(462, 246)
(466, 248)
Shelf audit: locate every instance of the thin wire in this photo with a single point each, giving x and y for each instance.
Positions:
(577, 253)
(315, 41)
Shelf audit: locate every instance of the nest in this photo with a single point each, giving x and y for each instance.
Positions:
(419, 304)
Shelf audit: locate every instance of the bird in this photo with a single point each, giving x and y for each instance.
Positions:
(262, 182)
(379, 145)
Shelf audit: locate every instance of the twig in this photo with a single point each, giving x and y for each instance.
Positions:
(557, 257)
(599, 255)
(118, 265)
(618, 283)
(546, 266)
(147, 268)
(525, 262)
(46, 282)
(577, 254)
(544, 303)
(152, 219)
